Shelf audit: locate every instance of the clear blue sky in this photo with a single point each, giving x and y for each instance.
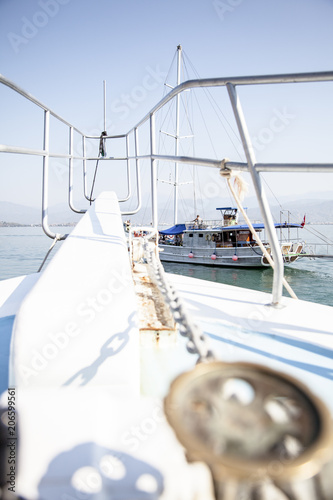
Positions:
(61, 51)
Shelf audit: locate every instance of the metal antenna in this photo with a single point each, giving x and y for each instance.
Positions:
(104, 99)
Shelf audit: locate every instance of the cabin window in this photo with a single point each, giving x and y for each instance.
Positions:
(244, 236)
(190, 235)
(200, 235)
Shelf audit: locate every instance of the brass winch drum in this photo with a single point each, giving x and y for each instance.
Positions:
(252, 426)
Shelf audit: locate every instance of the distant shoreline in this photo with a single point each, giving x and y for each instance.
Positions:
(16, 224)
(73, 224)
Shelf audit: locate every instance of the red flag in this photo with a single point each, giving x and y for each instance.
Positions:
(303, 222)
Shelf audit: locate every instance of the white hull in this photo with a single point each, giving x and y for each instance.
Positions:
(224, 258)
(246, 257)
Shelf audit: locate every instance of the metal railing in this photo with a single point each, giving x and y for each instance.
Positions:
(319, 249)
(210, 224)
(251, 166)
(70, 156)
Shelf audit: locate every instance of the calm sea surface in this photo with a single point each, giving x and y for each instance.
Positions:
(22, 250)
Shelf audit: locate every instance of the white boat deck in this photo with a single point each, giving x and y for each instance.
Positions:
(78, 326)
(91, 419)
(76, 367)
(12, 293)
(296, 338)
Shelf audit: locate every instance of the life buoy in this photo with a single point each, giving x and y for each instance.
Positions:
(208, 237)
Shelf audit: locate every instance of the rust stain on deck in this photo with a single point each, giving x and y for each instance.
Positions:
(153, 312)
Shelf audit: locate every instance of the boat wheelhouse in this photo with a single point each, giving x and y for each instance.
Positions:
(224, 242)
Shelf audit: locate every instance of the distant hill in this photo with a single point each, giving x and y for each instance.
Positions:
(316, 210)
(21, 214)
(12, 212)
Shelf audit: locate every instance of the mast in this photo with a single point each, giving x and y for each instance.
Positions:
(176, 184)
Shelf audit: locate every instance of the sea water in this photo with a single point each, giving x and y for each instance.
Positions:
(311, 279)
(22, 250)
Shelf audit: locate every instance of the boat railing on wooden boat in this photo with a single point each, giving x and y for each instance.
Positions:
(132, 146)
(209, 224)
(204, 224)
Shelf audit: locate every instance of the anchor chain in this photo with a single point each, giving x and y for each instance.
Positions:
(197, 340)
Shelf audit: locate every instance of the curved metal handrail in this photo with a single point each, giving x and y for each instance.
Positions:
(251, 166)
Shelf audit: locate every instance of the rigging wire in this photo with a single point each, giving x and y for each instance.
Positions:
(195, 168)
(268, 186)
(184, 206)
(294, 218)
(319, 235)
(212, 100)
(169, 71)
(313, 231)
(205, 125)
(216, 107)
(218, 111)
(166, 207)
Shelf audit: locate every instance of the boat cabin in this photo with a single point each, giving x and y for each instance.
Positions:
(229, 215)
(210, 233)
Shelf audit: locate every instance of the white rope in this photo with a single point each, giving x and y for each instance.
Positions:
(240, 184)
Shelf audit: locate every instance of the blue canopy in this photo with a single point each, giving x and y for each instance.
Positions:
(177, 229)
(227, 208)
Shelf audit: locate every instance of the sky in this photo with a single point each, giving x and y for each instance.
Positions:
(61, 51)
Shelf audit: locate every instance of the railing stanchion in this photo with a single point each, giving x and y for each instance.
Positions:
(129, 190)
(45, 184)
(138, 175)
(153, 173)
(261, 195)
(85, 184)
(70, 175)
